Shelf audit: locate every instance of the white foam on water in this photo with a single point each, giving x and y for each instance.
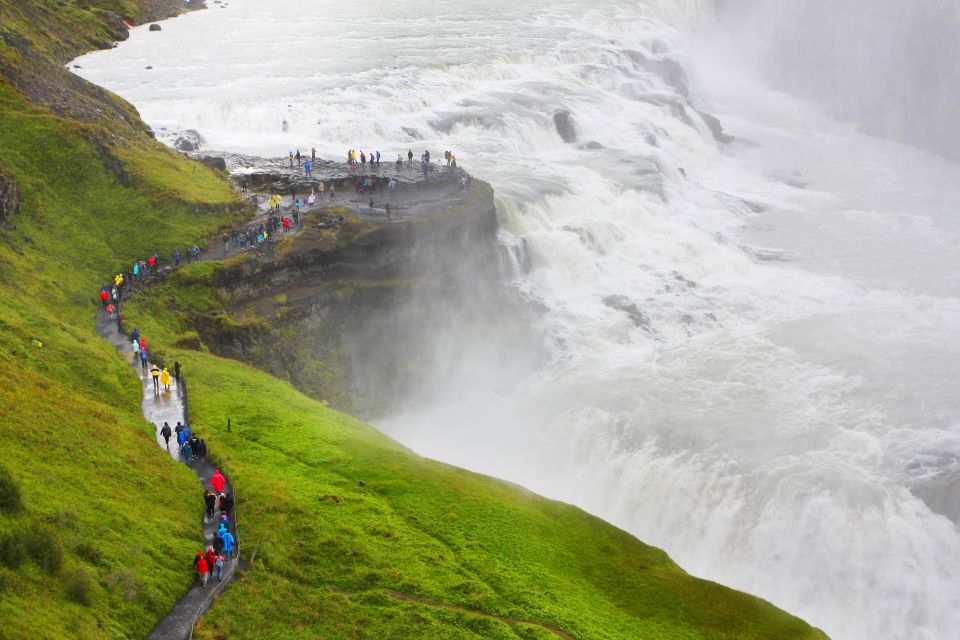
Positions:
(752, 350)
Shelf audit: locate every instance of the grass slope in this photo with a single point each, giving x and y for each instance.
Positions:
(97, 548)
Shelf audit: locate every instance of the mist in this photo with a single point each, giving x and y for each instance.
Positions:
(892, 65)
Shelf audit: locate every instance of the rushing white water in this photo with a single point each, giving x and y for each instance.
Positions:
(779, 409)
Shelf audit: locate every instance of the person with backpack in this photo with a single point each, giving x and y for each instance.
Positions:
(211, 501)
(202, 450)
(218, 563)
(144, 357)
(226, 504)
(166, 433)
(186, 452)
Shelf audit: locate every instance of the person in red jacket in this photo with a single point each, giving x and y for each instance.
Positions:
(217, 481)
(104, 298)
(203, 569)
(211, 558)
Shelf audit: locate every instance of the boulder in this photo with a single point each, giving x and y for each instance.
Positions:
(155, 27)
(9, 198)
(563, 122)
(214, 162)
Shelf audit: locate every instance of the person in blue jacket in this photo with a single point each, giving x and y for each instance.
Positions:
(228, 543)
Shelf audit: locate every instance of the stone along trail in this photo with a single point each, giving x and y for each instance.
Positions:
(170, 407)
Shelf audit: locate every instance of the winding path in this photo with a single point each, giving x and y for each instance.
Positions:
(171, 407)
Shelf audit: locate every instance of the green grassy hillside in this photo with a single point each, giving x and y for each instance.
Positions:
(354, 536)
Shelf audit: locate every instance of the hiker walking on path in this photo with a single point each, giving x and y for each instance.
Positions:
(166, 433)
(155, 372)
(219, 564)
(217, 481)
(202, 450)
(203, 569)
(186, 452)
(165, 379)
(211, 501)
(176, 371)
(226, 504)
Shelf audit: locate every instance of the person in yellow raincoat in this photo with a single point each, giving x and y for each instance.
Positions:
(165, 379)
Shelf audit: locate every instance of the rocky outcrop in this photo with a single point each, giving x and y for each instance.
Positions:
(155, 27)
(188, 140)
(9, 197)
(214, 162)
(352, 310)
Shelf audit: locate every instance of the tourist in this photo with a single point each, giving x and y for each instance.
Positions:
(217, 481)
(409, 156)
(313, 155)
(219, 564)
(298, 157)
(166, 433)
(176, 371)
(202, 450)
(144, 355)
(291, 157)
(312, 198)
(211, 501)
(228, 543)
(321, 188)
(332, 190)
(155, 373)
(226, 504)
(363, 158)
(203, 569)
(308, 167)
(186, 452)
(165, 379)
(217, 543)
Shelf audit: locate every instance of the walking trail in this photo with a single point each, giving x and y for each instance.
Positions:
(171, 407)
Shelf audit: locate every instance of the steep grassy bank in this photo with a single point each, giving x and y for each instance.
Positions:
(354, 536)
(97, 547)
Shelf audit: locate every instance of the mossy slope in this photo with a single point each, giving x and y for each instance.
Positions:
(94, 195)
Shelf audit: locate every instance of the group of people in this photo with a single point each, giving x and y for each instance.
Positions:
(110, 296)
(224, 543)
(354, 156)
(191, 447)
(300, 158)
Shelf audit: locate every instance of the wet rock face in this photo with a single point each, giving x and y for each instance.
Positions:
(563, 122)
(9, 198)
(188, 140)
